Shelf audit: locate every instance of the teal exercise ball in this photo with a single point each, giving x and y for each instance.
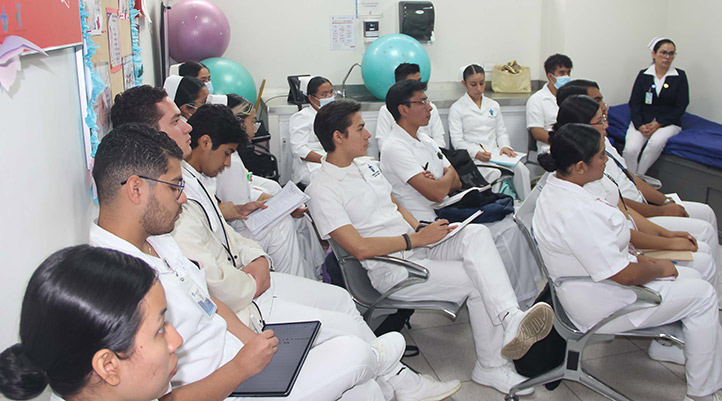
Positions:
(384, 55)
(227, 76)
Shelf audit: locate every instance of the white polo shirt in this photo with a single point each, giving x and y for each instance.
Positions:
(403, 157)
(580, 234)
(207, 344)
(358, 195)
(541, 111)
(607, 189)
(303, 141)
(434, 129)
(471, 127)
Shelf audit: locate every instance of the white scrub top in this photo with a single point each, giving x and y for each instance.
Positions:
(626, 186)
(303, 141)
(434, 129)
(541, 111)
(580, 234)
(403, 157)
(471, 127)
(207, 344)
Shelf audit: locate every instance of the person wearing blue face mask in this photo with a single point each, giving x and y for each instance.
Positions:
(197, 70)
(541, 108)
(307, 150)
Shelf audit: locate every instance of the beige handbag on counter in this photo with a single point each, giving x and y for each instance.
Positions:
(511, 78)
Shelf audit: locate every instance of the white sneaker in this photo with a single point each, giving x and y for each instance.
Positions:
(410, 386)
(666, 352)
(389, 348)
(523, 329)
(502, 378)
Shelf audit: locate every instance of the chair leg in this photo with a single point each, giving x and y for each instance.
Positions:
(601, 388)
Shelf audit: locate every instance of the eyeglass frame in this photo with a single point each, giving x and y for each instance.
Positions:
(178, 187)
(665, 53)
(424, 102)
(602, 120)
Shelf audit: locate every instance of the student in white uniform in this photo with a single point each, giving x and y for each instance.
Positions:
(282, 240)
(351, 202)
(220, 351)
(697, 218)
(477, 126)
(580, 234)
(541, 108)
(645, 234)
(100, 307)
(306, 149)
(420, 174)
(385, 122)
(188, 93)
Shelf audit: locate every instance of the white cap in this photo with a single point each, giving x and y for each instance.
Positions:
(173, 70)
(171, 85)
(304, 84)
(462, 68)
(217, 99)
(656, 40)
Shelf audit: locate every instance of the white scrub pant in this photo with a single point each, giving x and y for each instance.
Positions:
(655, 144)
(268, 186)
(700, 229)
(342, 368)
(466, 265)
(521, 178)
(694, 302)
(291, 243)
(292, 298)
(517, 257)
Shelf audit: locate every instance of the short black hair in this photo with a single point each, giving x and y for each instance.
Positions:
(335, 116)
(576, 109)
(555, 61)
(138, 105)
(191, 69)
(401, 93)
(568, 90)
(129, 149)
(473, 69)
(404, 70)
(218, 122)
(314, 84)
(571, 144)
(188, 90)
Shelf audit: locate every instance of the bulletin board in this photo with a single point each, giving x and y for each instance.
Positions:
(110, 26)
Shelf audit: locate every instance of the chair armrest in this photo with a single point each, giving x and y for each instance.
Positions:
(414, 269)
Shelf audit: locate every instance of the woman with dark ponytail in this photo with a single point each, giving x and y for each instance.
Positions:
(580, 234)
(92, 327)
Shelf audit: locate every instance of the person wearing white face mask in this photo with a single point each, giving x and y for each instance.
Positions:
(197, 70)
(307, 150)
(541, 108)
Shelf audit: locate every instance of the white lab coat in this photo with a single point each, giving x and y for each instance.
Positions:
(304, 141)
(291, 243)
(541, 112)
(580, 234)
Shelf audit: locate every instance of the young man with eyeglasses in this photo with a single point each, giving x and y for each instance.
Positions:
(351, 202)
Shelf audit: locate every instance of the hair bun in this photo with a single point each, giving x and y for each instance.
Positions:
(546, 161)
(20, 379)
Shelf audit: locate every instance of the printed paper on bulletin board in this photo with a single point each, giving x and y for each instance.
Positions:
(102, 54)
(48, 24)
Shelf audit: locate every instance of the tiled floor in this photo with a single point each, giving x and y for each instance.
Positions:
(447, 352)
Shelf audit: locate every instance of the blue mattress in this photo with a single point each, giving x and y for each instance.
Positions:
(699, 141)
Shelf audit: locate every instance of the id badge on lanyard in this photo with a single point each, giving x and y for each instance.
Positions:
(648, 96)
(199, 297)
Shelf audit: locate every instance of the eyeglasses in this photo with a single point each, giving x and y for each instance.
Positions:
(601, 121)
(193, 106)
(665, 53)
(424, 102)
(178, 187)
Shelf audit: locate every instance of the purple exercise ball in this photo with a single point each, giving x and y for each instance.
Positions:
(197, 29)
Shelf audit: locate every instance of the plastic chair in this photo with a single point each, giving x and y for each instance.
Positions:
(366, 296)
(576, 340)
(531, 147)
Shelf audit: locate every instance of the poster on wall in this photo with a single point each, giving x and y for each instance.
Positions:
(55, 24)
(95, 16)
(342, 33)
(104, 101)
(123, 9)
(128, 72)
(114, 40)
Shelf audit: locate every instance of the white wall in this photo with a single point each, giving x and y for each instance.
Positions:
(694, 26)
(45, 192)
